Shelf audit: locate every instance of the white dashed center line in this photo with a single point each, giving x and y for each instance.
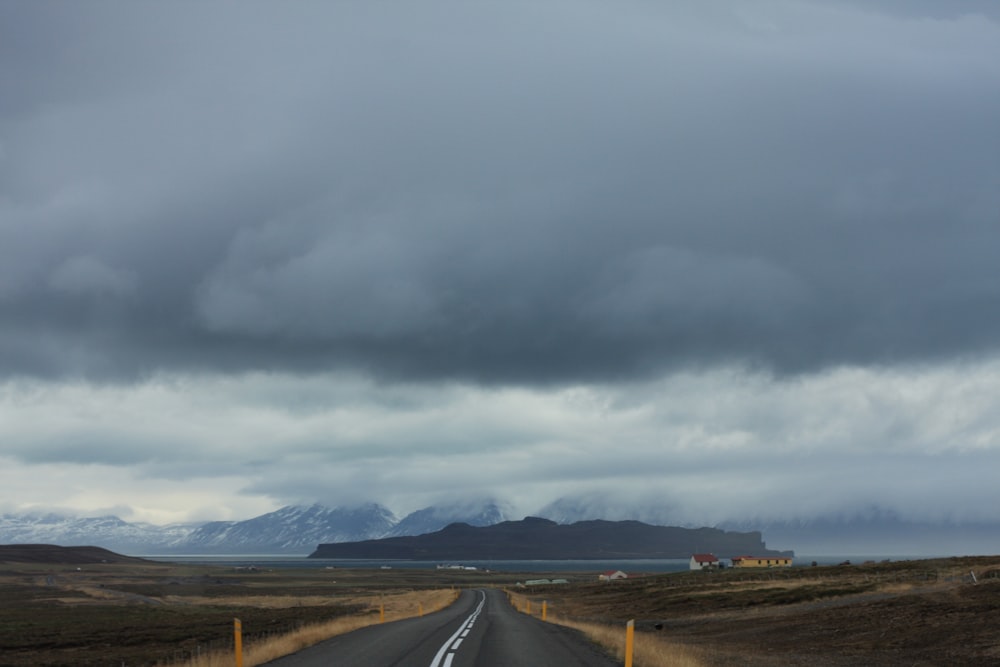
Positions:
(447, 650)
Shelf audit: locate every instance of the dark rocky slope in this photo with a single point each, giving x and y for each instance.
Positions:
(534, 538)
(51, 553)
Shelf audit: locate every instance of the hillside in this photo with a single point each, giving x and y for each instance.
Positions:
(534, 538)
(50, 553)
(919, 612)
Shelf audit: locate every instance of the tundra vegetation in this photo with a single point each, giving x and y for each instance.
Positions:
(145, 614)
(919, 612)
(142, 613)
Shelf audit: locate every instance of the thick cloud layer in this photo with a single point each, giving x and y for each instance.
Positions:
(253, 254)
(693, 448)
(496, 193)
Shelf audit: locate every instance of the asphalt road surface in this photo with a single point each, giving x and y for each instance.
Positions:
(480, 630)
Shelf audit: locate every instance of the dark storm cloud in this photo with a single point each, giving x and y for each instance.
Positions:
(564, 191)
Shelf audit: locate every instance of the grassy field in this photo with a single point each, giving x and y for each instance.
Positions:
(155, 614)
(932, 612)
(929, 612)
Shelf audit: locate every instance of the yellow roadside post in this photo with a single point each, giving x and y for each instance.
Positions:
(381, 613)
(420, 608)
(527, 608)
(545, 608)
(629, 641)
(238, 641)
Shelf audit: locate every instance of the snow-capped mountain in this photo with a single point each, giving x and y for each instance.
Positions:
(109, 532)
(299, 529)
(292, 529)
(431, 519)
(295, 529)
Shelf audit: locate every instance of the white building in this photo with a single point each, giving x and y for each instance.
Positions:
(704, 562)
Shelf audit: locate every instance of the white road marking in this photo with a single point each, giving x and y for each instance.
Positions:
(451, 643)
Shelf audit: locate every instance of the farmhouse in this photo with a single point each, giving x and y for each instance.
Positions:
(755, 561)
(612, 575)
(704, 562)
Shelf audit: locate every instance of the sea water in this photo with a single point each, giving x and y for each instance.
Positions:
(285, 561)
(650, 565)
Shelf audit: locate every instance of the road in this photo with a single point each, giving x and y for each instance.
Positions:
(480, 629)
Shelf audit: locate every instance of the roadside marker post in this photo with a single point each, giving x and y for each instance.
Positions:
(381, 613)
(545, 608)
(420, 608)
(238, 641)
(629, 641)
(527, 609)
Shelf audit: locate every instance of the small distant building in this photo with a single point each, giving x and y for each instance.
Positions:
(612, 575)
(542, 582)
(704, 562)
(537, 582)
(757, 561)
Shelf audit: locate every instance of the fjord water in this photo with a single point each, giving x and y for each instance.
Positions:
(637, 565)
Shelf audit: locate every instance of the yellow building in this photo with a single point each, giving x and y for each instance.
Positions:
(755, 561)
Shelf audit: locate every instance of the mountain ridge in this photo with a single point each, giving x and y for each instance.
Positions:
(535, 538)
(298, 529)
(293, 529)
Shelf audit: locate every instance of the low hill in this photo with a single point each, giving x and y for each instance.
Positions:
(51, 553)
(541, 539)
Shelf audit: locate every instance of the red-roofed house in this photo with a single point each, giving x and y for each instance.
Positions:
(704, 562)
(612, 575)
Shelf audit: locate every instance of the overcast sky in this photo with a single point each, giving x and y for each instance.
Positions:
(734, 260)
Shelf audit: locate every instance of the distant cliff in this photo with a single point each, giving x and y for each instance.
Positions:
(541, 539)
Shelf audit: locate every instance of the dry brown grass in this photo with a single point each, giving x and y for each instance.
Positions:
(261, 601)
(395, 606)
(648, 650)
(898, 588)
(904, 612)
